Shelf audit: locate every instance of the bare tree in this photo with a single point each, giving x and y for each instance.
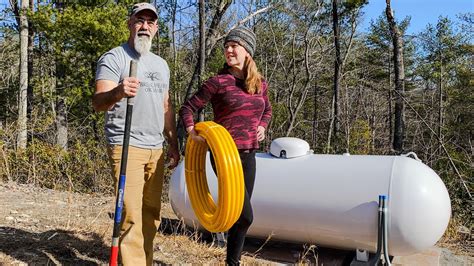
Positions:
(22, 94)
(350, 9)
(61, 110)
(301, 93)
(211, 40)
(333, 129)
(397, 40)
(212, 36)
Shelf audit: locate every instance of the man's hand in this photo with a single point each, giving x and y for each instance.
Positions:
(173, 156)
(108, 92)
(260, 133)
(129, 87)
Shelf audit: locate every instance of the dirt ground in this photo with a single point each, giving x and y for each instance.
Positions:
(42, 227)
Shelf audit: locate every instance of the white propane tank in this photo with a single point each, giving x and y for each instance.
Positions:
(332, 200)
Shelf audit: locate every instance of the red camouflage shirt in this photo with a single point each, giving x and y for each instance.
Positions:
(235, 109)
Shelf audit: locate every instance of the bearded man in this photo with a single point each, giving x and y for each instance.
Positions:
(153, 119)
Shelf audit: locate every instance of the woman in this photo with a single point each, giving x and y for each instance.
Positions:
(238, 95)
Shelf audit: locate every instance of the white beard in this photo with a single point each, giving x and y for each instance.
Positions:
(142, 44)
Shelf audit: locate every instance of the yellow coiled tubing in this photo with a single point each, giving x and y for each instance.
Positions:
(230, 201)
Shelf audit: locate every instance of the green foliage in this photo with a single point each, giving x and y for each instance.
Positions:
(360, 140)
(460, 109)
(215, 62)
(380, 47)
(352, 4)
(83, 168)
(279, 117)
(457, 192)
(440, 52)
(76, 36)
(9, 78)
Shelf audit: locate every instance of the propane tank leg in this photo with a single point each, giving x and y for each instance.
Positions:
(219, 239)
(375, 260)
(385, 233)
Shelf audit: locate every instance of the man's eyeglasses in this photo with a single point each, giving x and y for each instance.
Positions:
(140, 22)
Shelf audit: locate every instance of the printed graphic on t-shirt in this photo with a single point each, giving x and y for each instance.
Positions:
(154, 83)
(153, 75)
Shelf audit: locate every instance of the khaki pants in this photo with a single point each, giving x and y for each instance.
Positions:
(142, 202)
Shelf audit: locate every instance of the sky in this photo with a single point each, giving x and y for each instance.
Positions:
(422, 12)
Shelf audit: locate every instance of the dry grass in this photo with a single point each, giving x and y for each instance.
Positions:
(458, 238)
(43, 226)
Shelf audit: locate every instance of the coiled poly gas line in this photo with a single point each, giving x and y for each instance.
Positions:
(220, 217)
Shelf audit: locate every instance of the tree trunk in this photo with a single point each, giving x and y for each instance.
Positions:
(315, 116)
(202, 48)
(334, 131)
(22, 96)
(397, 40)
(60, 104)
(440, 102)
(202, 39)
(174, 53)
(60, 108)
(61, 123)
(157, 35)
(29, 92)
(390, 99)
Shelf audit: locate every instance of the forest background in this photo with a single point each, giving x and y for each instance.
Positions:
(378, 92)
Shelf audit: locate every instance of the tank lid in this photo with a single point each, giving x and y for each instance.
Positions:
(288, 147)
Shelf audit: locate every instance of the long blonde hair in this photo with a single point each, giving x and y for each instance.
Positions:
(253, 78)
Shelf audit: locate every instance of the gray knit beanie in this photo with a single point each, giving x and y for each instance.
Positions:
(245, 37)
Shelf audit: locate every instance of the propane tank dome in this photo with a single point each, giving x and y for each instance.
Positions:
(288, 147)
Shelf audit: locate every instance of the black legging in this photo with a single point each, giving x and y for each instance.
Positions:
(236, 234)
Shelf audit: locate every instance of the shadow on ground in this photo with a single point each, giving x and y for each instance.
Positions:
(53, 246)
(65, 247)
(269, 250)
(57, 247)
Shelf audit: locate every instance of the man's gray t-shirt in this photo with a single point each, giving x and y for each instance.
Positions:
(148, 111)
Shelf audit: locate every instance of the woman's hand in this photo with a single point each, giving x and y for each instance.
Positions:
(194, 135)
(260, 133)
